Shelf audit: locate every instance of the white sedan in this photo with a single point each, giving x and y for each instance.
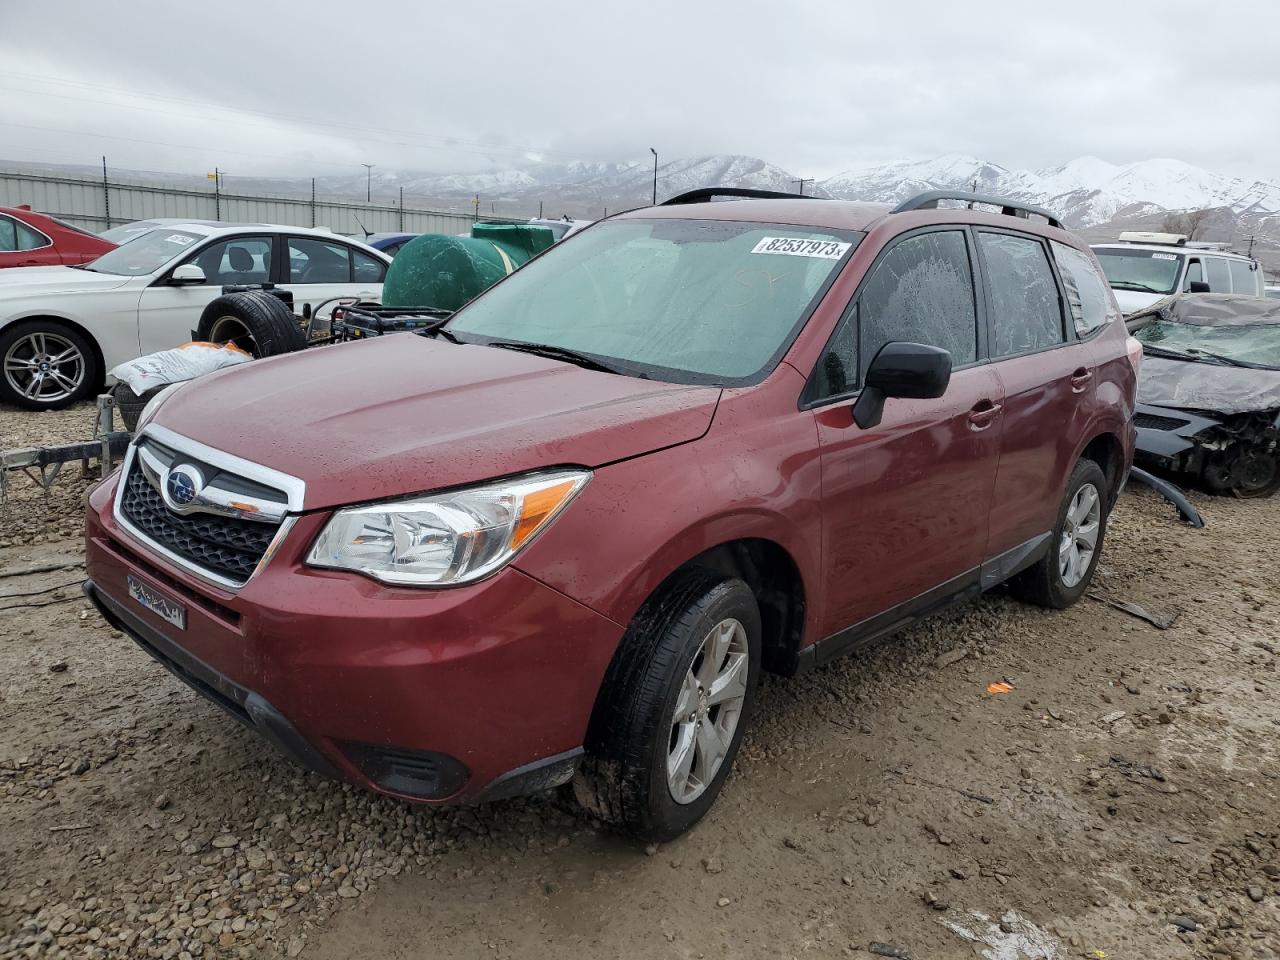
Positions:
(62, 328)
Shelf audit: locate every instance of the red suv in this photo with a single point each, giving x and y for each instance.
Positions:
(30, 239)
(559, 536)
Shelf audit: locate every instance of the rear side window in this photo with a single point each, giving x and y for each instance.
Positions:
(316, 261)
(921, 291)
(1026, 308)
(365, 269)
(29, 239)
(1243, 278)
(1087, 293)
(1219, 274)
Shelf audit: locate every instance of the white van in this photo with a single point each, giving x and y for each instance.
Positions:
(1144, 267)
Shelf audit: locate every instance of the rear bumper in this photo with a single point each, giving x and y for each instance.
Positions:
(430, 695)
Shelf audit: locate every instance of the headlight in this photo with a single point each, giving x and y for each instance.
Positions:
(448, 538)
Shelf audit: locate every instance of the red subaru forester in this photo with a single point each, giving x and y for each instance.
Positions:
(559, 537)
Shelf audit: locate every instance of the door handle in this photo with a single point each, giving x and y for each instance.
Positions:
(983, 414)
(1080, 380)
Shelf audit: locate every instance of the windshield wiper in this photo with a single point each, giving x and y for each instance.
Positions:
(555, 353)
(437, 329)
(1131, 285)
(1229, 361)
(1196, 355)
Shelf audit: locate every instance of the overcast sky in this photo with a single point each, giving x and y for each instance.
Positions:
(318, 87)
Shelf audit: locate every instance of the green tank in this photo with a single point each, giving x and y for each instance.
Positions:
(436, 270)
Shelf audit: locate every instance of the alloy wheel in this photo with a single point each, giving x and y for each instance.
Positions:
(707, 711)
(44, 367)
(1079, 539)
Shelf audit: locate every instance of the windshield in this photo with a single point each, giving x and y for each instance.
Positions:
(145, 254)
(127, 231)
(1147, 271)
(1257, 344)
(689, 301)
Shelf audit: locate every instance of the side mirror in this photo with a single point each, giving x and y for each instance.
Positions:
(186, 275)
(912, 371)
(1197, 286)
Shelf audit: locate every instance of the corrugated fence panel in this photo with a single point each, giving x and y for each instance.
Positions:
(83, 202)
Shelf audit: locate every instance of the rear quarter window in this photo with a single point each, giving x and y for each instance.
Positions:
(1243, 278)
(1087, 293)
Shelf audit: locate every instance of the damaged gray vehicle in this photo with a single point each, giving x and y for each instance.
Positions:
(1209, 391)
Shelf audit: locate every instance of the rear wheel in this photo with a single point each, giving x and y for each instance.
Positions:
(256, 322)
(674, 708)
(1064, 573)
(45, 365)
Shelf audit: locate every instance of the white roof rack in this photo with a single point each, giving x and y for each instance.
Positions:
(1147, 236)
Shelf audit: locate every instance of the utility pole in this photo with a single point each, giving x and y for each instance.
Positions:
(106, 193)
(217, 194)
(313, 202)
(476, 201)
(655, 175)
(368, 181)
(402, 209)
(801, 182)
(539, 209)
(1251, 239)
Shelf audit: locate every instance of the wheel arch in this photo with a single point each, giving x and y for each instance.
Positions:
(773, 575)
(1106, 450)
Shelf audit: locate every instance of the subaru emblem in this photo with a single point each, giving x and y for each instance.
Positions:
(182, 486)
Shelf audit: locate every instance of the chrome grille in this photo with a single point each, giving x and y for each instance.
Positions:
(222, 524)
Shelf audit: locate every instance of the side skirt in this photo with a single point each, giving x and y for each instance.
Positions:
(968, 585)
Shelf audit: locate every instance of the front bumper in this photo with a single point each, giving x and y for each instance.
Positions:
(432, 695)
(1167, 437)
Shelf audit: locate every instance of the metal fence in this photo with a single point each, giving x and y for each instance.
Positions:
(98, 204)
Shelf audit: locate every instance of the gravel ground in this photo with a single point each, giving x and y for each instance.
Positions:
(1121, 800)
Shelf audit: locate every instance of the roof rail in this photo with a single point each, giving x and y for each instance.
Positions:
(929, 201)
(704, 194)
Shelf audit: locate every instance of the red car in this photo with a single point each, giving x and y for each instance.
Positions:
(559, 536)
(30, 239)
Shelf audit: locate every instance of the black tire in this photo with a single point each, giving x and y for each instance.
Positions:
(18, 347)
(130, 405)
(254, 321)
(1042, 584)
(623, 779)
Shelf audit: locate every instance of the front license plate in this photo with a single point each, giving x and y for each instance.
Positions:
(162, 607)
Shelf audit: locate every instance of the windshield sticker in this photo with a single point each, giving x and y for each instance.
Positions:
(796, 247)
(179, 238)
(1164, 256)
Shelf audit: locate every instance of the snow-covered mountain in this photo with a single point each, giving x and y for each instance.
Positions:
(1084, 192)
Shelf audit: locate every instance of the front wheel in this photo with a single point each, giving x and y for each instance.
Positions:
(1064, 573)
(674, 708)
(45, 365)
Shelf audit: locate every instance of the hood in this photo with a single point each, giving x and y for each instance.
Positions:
(28, 281)
(1133, 300)
(1189, 385)
(403, 414)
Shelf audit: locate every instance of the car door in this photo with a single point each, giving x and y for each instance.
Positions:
(169, 313)
(319, 269)
(906, 503)
(1047, 375)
